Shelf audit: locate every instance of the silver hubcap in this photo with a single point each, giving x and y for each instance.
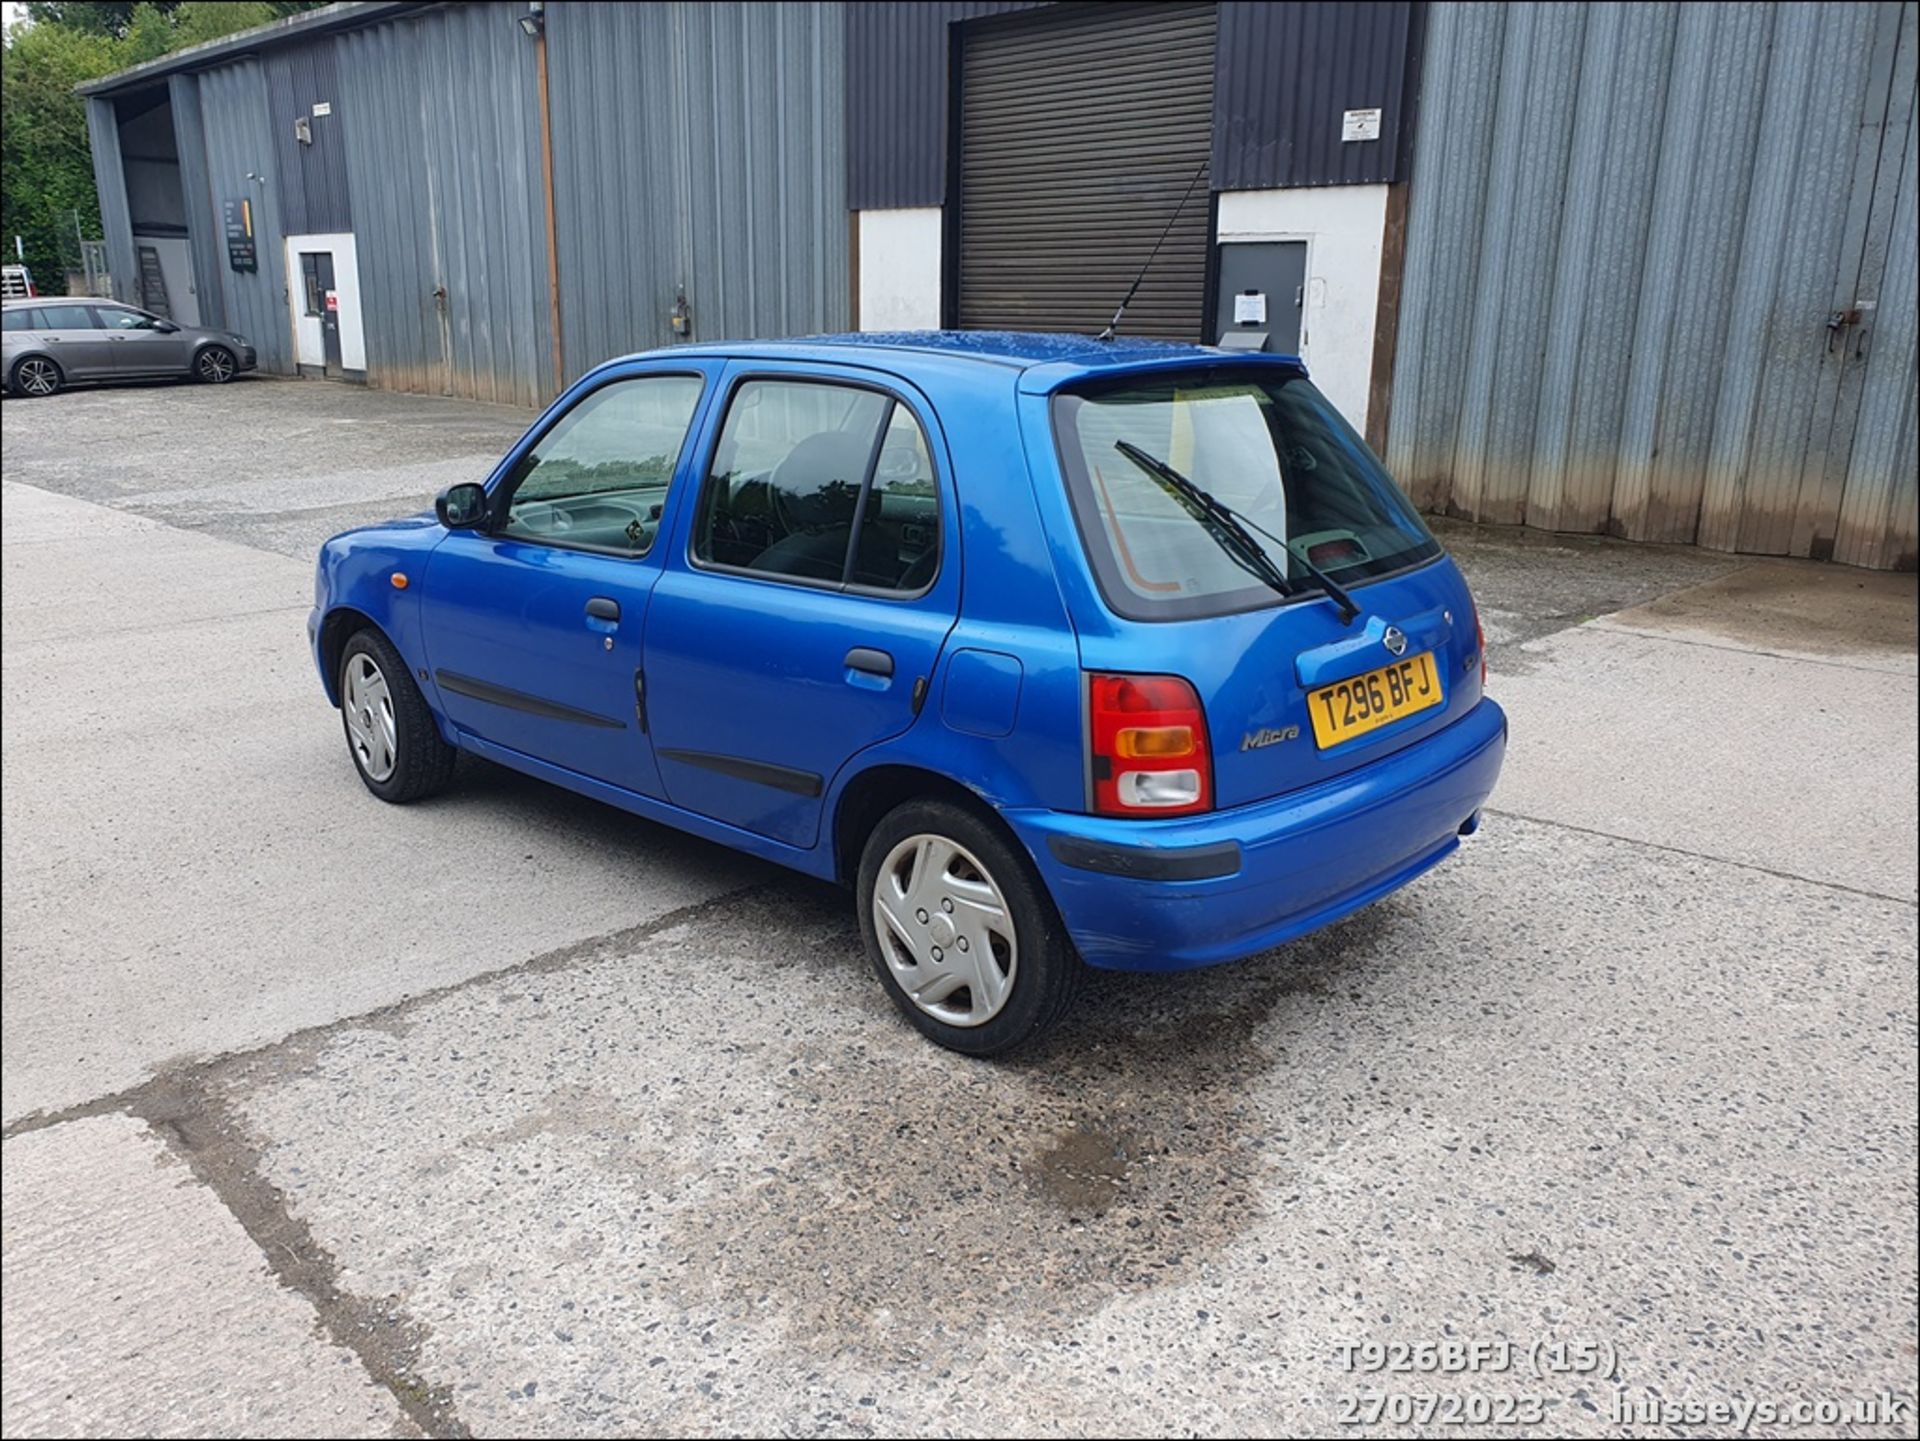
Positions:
(216, 365)
(38, 377)
(945, 930)
(368, 707)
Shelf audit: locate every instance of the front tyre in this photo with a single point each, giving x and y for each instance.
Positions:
(215, 365)
(391, 734)
(961, 931)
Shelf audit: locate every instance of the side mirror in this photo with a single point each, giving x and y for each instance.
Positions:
(166, 327)
(462, 507)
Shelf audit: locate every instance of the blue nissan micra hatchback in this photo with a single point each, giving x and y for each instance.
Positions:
(1056, 650)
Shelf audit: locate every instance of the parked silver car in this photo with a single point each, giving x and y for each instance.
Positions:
(53, 341)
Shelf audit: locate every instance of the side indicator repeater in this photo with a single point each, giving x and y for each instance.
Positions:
(399, 579)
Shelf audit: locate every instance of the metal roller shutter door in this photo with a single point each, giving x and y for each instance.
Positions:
(1080, 131)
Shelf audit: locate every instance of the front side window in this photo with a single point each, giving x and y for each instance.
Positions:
(64, 317)
(598, 478)
(1266, 444)
(821, 482)
(114, 318)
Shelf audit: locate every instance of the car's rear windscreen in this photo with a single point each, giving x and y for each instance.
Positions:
(1262, 441)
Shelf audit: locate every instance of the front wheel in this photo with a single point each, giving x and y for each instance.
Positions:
(391, 734)
(215, 365)
(960, 930)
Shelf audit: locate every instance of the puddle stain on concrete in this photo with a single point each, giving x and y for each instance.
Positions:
(885, 1211)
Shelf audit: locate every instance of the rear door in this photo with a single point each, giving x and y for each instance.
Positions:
(82, 349)
(140, 345)
(799, 620)
(533, 626)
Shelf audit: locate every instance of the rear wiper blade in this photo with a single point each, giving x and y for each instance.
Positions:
(1220, 522)
(1225, 520)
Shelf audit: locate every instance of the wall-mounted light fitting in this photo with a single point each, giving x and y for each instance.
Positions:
(535, 20)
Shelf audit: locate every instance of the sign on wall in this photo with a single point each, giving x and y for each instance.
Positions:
(241, 254)
(1359, 125)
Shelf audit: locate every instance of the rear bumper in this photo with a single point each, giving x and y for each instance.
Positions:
(1176, 894)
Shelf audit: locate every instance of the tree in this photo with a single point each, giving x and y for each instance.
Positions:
(104, 17)
(46, 169)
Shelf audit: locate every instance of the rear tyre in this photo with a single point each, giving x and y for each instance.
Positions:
(214, 365)
(960, 930)
(35, 376)
(391, 734)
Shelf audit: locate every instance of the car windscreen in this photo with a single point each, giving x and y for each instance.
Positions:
(1265, 444)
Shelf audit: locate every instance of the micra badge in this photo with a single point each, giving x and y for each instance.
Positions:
(1269, 736)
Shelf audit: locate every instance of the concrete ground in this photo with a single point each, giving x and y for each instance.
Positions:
(508, 1112)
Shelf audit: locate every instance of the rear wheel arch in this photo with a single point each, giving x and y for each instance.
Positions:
(870, 795)
(34, 358)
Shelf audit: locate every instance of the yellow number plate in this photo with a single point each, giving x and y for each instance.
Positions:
(1367, 702)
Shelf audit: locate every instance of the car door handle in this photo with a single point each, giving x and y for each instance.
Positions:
(873, 662)
(600, 608)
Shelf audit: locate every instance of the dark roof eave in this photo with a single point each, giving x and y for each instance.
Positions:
(329, 18)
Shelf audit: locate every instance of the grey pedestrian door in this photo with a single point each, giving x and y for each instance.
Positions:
(1261, 290)
(329, 315)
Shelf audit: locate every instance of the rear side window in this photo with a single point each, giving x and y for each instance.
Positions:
(14, 320)
(64, 317)
(1268, 445)
(825, 483)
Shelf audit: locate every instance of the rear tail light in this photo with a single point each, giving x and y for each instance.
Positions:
(1480, 639)
(1148, 738)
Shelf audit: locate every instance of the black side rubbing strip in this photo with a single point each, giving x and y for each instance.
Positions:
(781, 778)
(499, 695)
(1141, 863)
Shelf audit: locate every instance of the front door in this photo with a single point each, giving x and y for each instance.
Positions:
(144, 344)
(802, 619)
(532, 626)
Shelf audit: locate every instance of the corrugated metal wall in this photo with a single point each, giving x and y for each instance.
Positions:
(241, 163)
(1879, 517)
(203, 223)
(442, 133)
(1628, 227)
(697, 145)
(110, 178)
(315, 196)
(1286, 75)
(897, 98)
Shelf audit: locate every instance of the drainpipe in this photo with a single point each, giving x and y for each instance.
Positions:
(537, 13)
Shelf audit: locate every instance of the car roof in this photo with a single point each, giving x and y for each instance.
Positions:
(1063, 357)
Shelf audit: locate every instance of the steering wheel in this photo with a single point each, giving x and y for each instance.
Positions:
(545, 516)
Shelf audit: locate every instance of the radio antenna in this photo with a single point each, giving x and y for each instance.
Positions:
(1114, 324)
